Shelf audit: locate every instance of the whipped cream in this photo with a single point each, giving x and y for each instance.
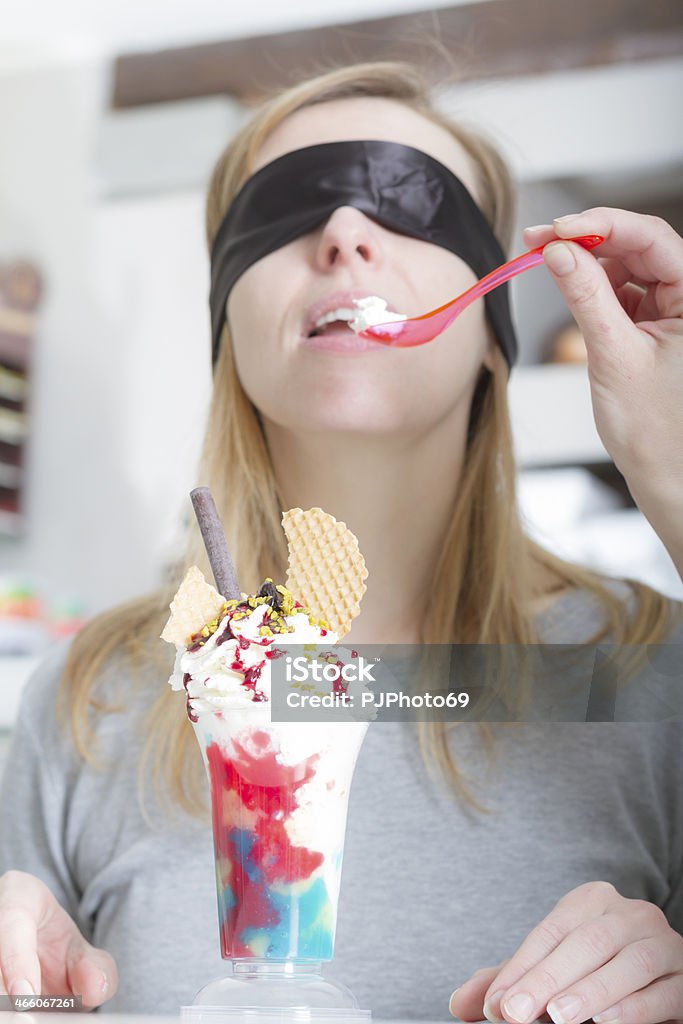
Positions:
(373, 310)
(225, 670)
(232, 673)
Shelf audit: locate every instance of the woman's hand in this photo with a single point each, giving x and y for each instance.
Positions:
(596, 955)
(42, 951)
(628, 304)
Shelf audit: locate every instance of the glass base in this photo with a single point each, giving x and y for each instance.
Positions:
(270, 992)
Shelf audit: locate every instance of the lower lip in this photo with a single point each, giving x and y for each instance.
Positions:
(343, 341)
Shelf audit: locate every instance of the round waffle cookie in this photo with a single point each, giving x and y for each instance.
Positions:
(195, 604)
(326, 570)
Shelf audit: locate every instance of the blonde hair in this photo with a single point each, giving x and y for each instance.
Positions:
(489, 573)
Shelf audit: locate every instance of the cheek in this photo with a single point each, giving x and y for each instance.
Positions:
(246, 312)
(253, 329)
(434, 274)
(459, 351)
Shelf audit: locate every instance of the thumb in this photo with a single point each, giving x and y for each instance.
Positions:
(91, 973)
(588, 293)
(467, 1002)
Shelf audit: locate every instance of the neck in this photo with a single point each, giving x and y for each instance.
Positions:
(396, 497)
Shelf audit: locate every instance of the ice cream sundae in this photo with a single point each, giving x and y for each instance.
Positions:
(279, 790)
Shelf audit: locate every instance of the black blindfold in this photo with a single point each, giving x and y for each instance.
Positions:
(399, 187)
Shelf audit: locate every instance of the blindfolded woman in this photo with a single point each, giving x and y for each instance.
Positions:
(540, 868)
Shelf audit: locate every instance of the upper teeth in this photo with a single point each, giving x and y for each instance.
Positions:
(369, 310)
(335, 314)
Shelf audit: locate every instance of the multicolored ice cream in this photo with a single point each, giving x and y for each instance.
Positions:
(279, 791)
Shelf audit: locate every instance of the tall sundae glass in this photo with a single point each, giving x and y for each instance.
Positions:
(279, 790)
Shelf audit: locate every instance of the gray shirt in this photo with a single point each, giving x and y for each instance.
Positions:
(431, 891)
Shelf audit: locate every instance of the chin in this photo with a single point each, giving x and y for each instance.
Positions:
(332, 418)
(363, 405)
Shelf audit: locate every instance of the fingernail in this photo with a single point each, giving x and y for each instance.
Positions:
(538, 227)
(104, 984)
(22, 987)
(520, 1007)
(450, 1001)
(492, 1007)
(567, 216)
(608, 1016)
(564, 1009)
(559, 258)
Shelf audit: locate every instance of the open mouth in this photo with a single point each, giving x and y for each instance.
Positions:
(335, 327)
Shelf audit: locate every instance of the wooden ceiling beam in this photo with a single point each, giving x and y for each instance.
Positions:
(496, 38)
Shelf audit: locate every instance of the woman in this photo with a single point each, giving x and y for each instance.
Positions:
(559, 846)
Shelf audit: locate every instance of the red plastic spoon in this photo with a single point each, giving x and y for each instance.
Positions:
(419, 329)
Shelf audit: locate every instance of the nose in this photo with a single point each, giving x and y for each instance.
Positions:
(348, 238)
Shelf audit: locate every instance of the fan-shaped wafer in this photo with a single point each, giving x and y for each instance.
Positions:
(195, 604)
(326, 569)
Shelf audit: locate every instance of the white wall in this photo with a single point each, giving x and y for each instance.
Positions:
(109, 377)
(622, 118)
(49, 108)
(153, 258)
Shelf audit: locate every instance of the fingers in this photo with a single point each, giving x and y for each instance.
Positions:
(648, 246)
(651, 246)
(91, 973)
(42, 951)
(619, 274)
(636, 967)
(578, 906)
(21, 974)
(539, 234)
(660, 1002)
(21, 908)
(588, 288)
(585, 286)
(595, 956)
(599, 963)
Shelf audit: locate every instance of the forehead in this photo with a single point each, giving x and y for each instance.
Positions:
(367, 117)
